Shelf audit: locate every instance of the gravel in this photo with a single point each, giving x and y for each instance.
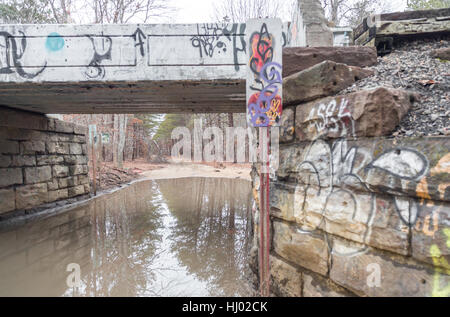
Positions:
(411, 67)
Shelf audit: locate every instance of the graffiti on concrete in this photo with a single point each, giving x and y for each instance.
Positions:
(214, 38)
(102, 51)
(54, 42)
(11, 51)
(209, 39)
(265, 105)
(139, 38)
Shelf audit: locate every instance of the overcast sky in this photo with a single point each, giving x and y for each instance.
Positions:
(194, 11)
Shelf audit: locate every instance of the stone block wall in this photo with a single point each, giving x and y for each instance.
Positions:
(42, 160)
(355, 211)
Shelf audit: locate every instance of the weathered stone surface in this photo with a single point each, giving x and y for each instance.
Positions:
(7, 200)
(287, 125)
(9, 147)
(22, 119)
(53, 185)
(60, 171)
(360, 217)
(49, 159)
(23, 160)
(367, 113)
(64, 127)
(76, 191)
(431, 234)
(442, 53)
(296, 59)
(83, 179)
(58, 148)
(5, 160)
(10, 176)
(31, 196)
(77, 169)
(37, 174)
(312, 24)
(58, 195)
(286, 280)
(306, 249)
(68, 181)
(398, 276)
(32, 147)
(315, 285)
(403, 167)
(75, 148)
(321, 80)
(16, 134)
(80, 129)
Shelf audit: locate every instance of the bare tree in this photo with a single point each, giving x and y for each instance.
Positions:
(123, 11)
(352, 12)
(241, 10)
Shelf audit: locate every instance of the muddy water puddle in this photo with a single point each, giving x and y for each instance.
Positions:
(179, 237)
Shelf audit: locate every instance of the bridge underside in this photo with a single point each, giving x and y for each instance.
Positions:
(126, 68)
(220, 96)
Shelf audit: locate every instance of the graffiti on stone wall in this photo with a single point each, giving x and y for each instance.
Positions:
(442, 267)
(338, 175)
(265, 105)
(332, 118)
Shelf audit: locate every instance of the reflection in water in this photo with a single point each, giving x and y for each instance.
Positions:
(182, 237)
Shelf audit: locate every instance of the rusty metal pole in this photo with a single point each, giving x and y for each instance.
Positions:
(264, 107)
(94, 167)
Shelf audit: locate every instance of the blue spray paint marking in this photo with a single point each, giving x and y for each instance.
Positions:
(54, 42)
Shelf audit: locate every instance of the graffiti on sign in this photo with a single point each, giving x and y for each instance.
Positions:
(264, 83)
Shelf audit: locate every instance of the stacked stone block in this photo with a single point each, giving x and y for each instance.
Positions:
(42, 160)
(354, 211)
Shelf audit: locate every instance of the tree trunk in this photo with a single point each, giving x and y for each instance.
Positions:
(115, 139)
(121, 143)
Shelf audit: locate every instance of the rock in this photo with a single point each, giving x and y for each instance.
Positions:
(371, 273)
(58, 148)
(431, 235)
(306, 249)
(7, 199)
(31, 196)
(322, 80)
(9, 147)
(75, 148)
(37, 174)
(53, 185)
(32, 147)
(316, 286)
(408, 168)
(58, 195)
(296, 59)
(287, 129)
(10, 176)
(366, 113)
(60, 171)
(24, 160)
(77, 169)
(76, 191)
(49, 159)
(442, 53)
(5, 160)
(64, 127)
(286, 280)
